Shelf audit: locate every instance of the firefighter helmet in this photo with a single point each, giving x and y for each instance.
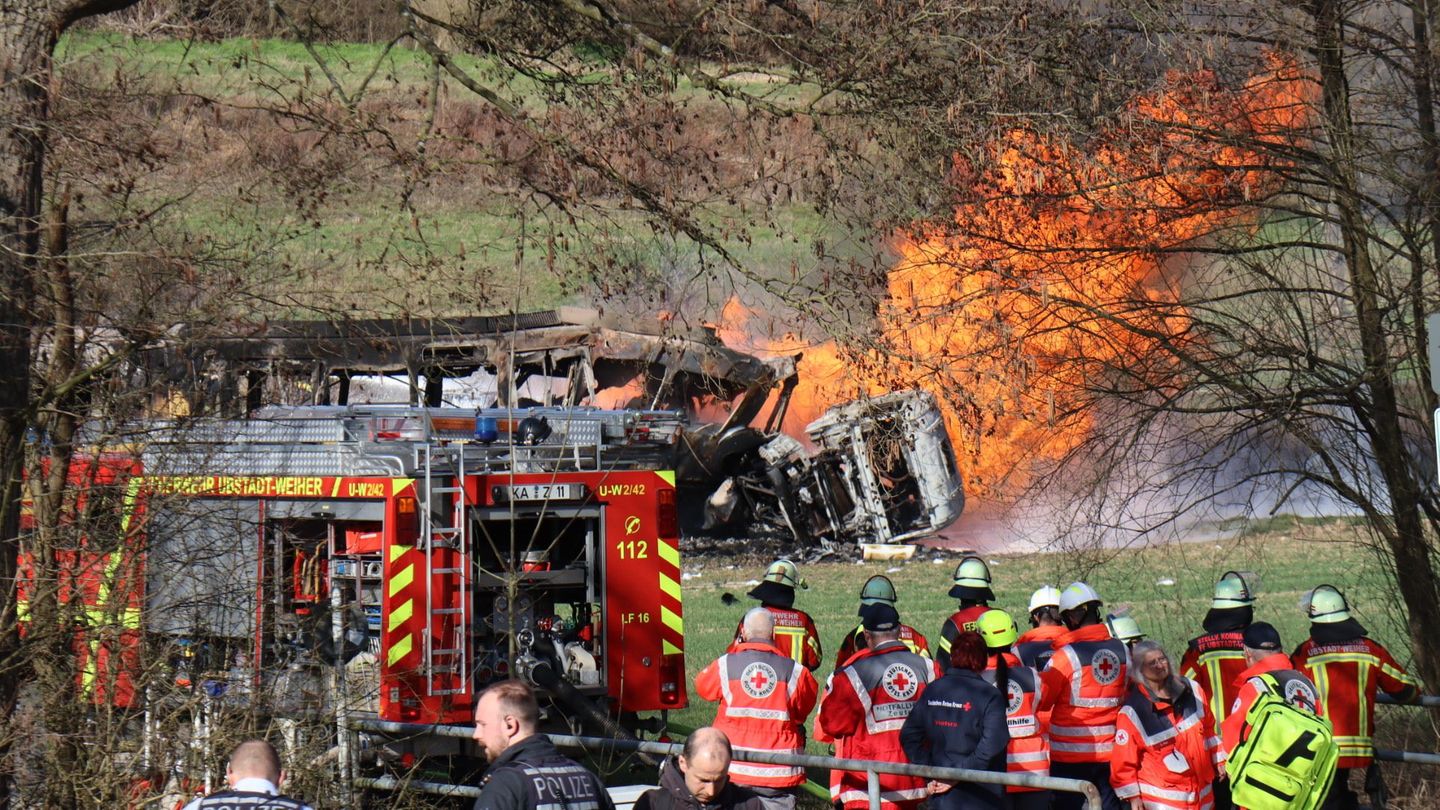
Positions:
(1078, 594)
(972, 580)
(878, 588)
(1232, 592)
(1327, 605)
(1124, 627)
(1045, 596)
(997, 628)
(533, 430)
(778, 585)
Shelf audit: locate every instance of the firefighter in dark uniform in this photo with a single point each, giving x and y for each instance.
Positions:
(526, 770)
(971, 586)
(795, 633)
(254, 776)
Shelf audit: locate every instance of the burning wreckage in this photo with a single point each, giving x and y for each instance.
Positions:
(875, 470)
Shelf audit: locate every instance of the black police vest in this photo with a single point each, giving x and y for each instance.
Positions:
(236, 800)
(558, 783)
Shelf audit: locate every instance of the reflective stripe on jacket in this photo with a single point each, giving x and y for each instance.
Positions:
(1029, 748)
(1166, 751)
(764, 698)
(863, 709)
(1214, 661)
(1083, 688)
(960, 621)
(795, 635)
(1249, 686)
(855, 642)
(1347, 676)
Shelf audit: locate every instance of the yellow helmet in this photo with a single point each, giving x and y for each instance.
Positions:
(997, 628)
(1232, 592)
(778, 585)
(1124, 627)
(972, 580)
(1326, 605)
(784, 572)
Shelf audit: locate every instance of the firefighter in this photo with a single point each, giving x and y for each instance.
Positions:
(253, 776)
(525, 769)
(764, 698)
(1123, 627)
(1029, 748)
(795, 633)
(960, 723)
(698, 779)
(1033, 648)
(879, 588)
(1082, 688)
(1215, 659)
(1348, 668)
(972, 587)
(1167, 754)
(1264, 656)
(865, 704)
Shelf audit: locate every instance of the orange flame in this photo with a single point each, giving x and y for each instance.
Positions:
(1051, 277)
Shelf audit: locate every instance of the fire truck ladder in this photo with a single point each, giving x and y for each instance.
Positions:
(447, 553)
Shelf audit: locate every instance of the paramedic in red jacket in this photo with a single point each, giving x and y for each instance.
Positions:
(879, 588)
(1348, 668)
(795, 633)
(1082, 690)
(765, 697)
(1167, 751)
(864, 707)
(1263, 656)
(1028, 749)
(1035, 646)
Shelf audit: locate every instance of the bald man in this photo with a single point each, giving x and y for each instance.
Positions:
(764, 697)
(254, 776)
(699, 777)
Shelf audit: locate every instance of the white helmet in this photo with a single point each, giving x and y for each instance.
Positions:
(1078, 594)
(1044, 596)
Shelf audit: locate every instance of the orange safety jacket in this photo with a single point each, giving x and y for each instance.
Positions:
(764, 698)
(795, 635)
(1036, 645)
(855, 642)
(1029, 748)
(1214, 661)
(1347, 675)
(1298, 689)
(960, 621)
(864, 706)
(1167, 752)
(1082, 689)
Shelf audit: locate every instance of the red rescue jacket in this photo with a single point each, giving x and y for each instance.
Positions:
(865, 705)
(1214, 661)
(1036, 645)
(1029, 748)
(1166, 751)
(1248, 687)
(1347, 675)
(959, 621)
(764, 698)
(795, 635)
(1082, 689)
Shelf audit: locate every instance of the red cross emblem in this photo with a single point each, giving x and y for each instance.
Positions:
(759, 679)
(1106, 666)
(900, 682)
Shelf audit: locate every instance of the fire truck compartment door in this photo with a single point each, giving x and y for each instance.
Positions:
(325, 510)
(202, 567)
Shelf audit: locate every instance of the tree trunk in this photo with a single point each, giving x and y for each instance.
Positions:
(1406, 537)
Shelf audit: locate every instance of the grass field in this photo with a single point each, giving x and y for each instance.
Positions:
(1285, 560)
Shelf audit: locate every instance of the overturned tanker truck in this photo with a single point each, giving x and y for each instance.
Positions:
(875, 470)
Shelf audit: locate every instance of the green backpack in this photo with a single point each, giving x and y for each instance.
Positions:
(1286, 757)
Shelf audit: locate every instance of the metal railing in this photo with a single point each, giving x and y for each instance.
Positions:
(871, 768)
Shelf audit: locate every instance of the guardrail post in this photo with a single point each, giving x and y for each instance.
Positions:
(872, 788)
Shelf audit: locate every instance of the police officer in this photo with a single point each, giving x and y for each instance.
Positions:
(1082, 689)
(864, 706)
(1214, 660)
(254, 776)
(1349, 668)
(1034, 646)
(877, 589)
(795, 632)
(960, 723)
(971, 585)
(765, 697)
(526, 770)
(1019, 685)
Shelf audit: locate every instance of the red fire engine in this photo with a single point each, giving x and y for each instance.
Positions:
(395, 560)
